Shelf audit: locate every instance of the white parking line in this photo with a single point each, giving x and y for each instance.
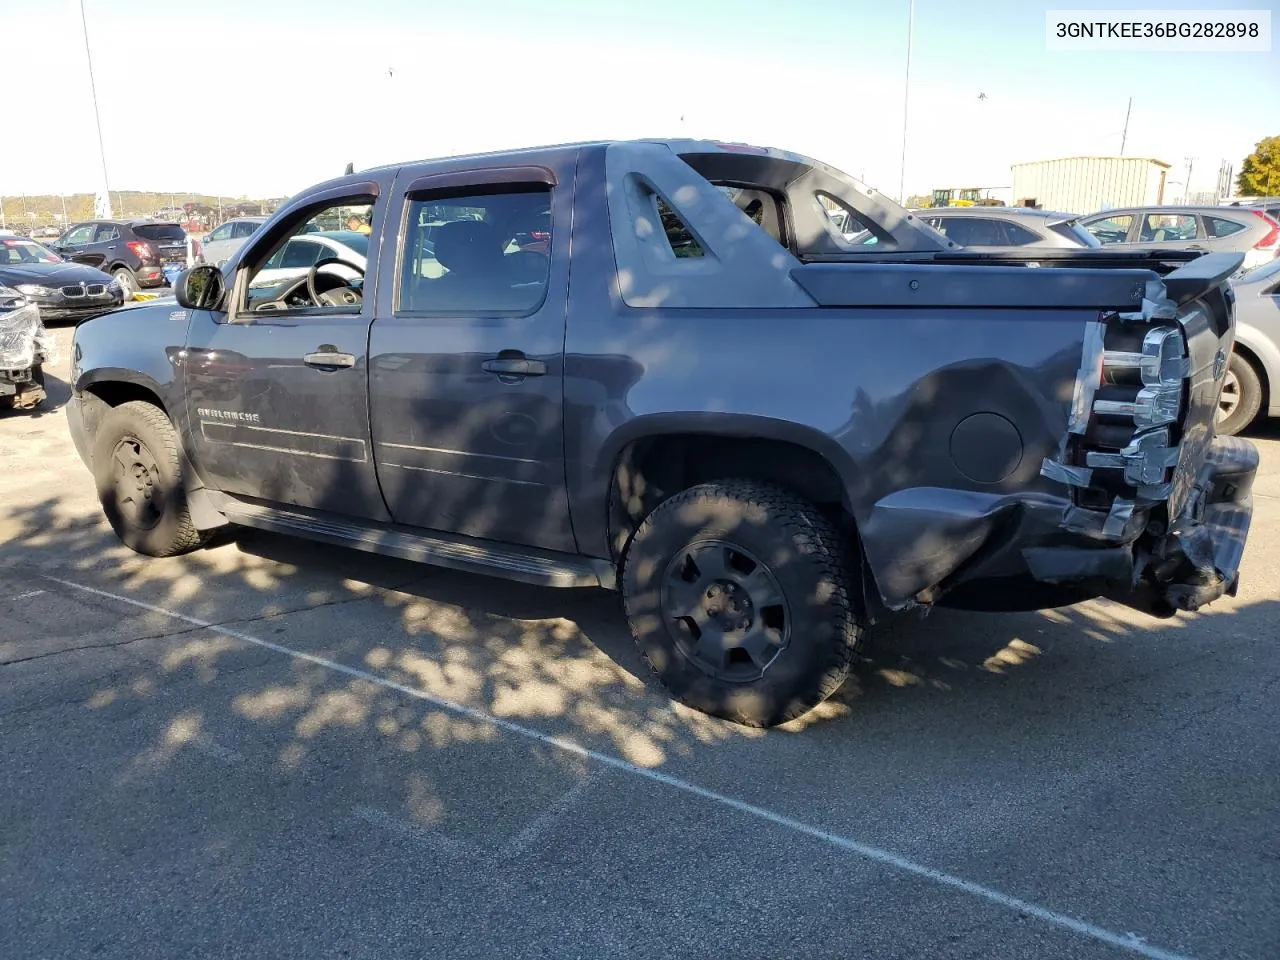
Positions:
(406, 828)
(1130, 942)
(523, 840)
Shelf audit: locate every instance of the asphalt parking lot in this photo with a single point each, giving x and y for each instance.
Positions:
(271, 748)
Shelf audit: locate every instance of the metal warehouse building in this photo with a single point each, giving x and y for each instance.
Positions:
(1086, 184)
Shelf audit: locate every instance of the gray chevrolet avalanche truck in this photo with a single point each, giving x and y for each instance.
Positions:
(657, 367)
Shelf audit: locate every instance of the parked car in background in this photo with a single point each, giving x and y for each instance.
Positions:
(1268, 205)
(134, 252)
(61, 290)
(1008, 227)
(226, 239)
(297, 257)
(1252, 384)
(1246, 230)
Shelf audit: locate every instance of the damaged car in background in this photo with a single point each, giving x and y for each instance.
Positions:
(25, 347)
(696, 390)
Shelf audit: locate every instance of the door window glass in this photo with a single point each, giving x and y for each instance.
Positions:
(80, 235)
(482, 254)
(1167, 228)
(105, 233)
(280, 282)
(1110, 229)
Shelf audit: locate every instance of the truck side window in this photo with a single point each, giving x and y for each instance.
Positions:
(683, 243)
(281, 282)
(476, 255)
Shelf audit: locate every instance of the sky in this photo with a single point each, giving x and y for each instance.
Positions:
(265, 97)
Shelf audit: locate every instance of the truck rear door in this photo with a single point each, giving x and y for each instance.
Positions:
(466, 366)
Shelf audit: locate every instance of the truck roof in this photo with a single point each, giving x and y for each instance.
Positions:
(529, 154)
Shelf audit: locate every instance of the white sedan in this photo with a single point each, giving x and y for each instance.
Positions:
(301, 253)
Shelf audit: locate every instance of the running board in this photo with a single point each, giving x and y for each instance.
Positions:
(527, 564)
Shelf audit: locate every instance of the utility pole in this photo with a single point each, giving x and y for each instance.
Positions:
(1124, 136)
(1186, 187)
(906, 100)
(63, 198)
(93, 92)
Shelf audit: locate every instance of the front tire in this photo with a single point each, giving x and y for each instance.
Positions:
(138, 468)
(739, 596)
(1241, 397)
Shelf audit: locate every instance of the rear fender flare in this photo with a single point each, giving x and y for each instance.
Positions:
(742, 426)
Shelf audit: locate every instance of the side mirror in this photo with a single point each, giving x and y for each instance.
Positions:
(199, 288)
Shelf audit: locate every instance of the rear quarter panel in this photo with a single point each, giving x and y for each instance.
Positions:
(896, 399)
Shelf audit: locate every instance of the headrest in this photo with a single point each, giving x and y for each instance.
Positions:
(467, 246)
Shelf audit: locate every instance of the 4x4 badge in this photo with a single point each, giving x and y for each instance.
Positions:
(1219, 363)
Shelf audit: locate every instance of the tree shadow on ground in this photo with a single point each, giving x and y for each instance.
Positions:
(539, 655)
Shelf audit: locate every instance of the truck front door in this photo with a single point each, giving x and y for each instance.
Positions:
(466, 355)
(276, 387)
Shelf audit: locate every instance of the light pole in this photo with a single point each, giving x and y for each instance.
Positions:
(93, 92)
(906, 99)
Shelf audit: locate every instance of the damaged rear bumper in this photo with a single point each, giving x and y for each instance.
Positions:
(1193, 563)
(1031, 551)
(1198, 560)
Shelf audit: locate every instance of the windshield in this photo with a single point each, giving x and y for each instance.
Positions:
(25, 251)
(160, 231)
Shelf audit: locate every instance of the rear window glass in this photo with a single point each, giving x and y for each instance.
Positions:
(159, 231)
(1221, 227)
(1073, 231)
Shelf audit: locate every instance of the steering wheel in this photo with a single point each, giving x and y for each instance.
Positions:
(350, 296)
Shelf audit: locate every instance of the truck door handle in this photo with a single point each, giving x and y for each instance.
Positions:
(506, 367)
(328, 356)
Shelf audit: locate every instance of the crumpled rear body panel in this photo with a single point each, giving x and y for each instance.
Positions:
(1144, 503)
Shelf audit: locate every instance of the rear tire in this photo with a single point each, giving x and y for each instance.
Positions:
(739, 596)
(128, 281)
(1241, 397)
(138, 471)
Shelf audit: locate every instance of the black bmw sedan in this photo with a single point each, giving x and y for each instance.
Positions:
(61, 289)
